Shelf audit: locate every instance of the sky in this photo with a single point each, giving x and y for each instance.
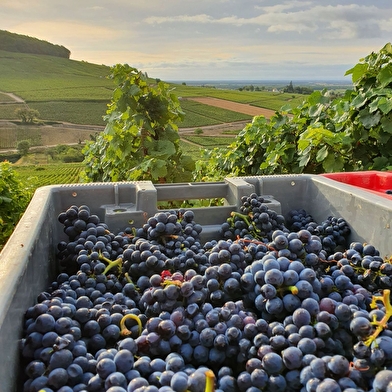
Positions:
(187, 40)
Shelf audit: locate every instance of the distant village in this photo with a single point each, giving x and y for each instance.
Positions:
(290, 88)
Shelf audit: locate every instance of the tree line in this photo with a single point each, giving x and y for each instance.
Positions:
(290, 88)
(12, 42)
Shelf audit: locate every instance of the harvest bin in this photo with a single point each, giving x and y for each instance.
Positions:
(378, 182)
(28, 260)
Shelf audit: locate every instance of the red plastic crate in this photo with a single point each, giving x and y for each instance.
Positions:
(378, 182)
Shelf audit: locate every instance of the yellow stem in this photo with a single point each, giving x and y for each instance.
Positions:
(210, 381)
(380, 325)
(124, 330)
(128, 278)
(293, 289)
(111, 264)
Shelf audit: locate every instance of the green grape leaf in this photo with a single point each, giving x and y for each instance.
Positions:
(158, 168)
(385, 75)
(322, 154)
(385, 104)
(357, 72)
(386, 123)
(367, 119)
(160, 148)
(359, 100)
(333, 163)
(303, 161)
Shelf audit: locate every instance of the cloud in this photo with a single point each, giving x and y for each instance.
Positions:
(345, 21)
(277, 8)
(67, 31)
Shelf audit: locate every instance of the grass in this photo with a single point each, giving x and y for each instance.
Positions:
(7, 112)
(60, 89)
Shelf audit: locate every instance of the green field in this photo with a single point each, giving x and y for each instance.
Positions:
(208, 141)
(76, 112)
(78, 92)
(42, 78)
(37, 176)
(198, 115)
(265, 99)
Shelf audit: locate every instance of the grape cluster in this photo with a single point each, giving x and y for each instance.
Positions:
(274, 304)
(254, 219)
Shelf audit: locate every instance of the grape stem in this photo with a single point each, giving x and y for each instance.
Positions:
(128, 278)
(239, 240)
(124, 330)
(246, 219)
(111, 264)
(293, 289)
(380, 325)
(210, 379)
(167, 282)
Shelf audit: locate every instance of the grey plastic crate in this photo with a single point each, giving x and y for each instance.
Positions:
(28, 260)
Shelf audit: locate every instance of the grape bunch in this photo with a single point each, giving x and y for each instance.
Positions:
(254, 219)
(333, 231)
(89, 240)
(272, 304)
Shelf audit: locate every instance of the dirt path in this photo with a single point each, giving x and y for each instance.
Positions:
(220, 129)
(235, 106)
(216, 130)
(15, 98)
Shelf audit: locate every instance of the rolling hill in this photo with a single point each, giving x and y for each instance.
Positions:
(78, 92)
(12, 42)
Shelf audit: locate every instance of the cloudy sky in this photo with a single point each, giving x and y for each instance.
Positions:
(210, 39)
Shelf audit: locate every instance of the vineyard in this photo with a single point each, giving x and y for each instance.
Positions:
(265, 99)
(10, 136)
(78, 92)
(75, 112)
(208, 141)
(37, 176)
(198, 114)
(5, 98)
(44, 136)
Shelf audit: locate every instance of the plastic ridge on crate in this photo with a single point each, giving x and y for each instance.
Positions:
(377, 182)
(28, 260)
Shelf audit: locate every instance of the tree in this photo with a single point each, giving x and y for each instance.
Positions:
(27, 115)
(140, 140)
(23, 147)
(289, 88)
